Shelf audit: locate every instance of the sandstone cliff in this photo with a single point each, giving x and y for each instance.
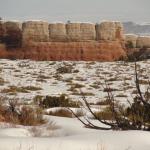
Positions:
(131, 39)
(57, 32)
(143, 41)
(57, 41)
(2, 31)
(36, 31)
(88, 51)
(137, 41)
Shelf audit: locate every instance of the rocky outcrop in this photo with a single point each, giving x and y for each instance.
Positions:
(135, 41)
(36, 31)
(105, 31)
(143, 41)
(109, 31)
(2, 31)
(88, 31)
(119, 31)
(57, 32)
(87, 51)
(71, 41)
(73, 32)
(13, 34)
(130, 40)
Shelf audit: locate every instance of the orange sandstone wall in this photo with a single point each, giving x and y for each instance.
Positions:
(56, 51)
(38, 40)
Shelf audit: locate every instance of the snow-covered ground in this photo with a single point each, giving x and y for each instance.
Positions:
(89, 75)
(70, 133)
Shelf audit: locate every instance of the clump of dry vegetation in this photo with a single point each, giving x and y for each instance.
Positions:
(16, 89)
(2, 81)
(55, 101)
(65, 112)
(105, 114)
(12, 112)
(62, 112)
(66, 68)
(75, 86)
(103, 102)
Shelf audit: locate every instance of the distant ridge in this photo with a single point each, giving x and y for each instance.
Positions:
(140, 29)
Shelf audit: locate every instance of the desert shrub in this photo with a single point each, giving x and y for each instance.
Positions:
(64, 112)
(103, 102)
(2, 81)
(31, 117)
(110, 89)
(61, 113)
(64, 69)
(75, 86)
(141, 112)
(57, 101)
(14, 113)
(105, 114)
(76, 71)
(16, 89)
(32, 88)
(138, 54)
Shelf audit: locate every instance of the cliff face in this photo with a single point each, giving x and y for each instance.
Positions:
(36, 31)
(88, 51)
(72, 41)
(2, 31)
(137, 41)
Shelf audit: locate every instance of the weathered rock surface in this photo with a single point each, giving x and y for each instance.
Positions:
(73, 31)
(143, 41)
(109, 31)
(71, 41)
(130, 40)
(2, 31)
(88, 51)
(88, 31)
(119, 31)
(106, 31)
(13, 34)
(36, 31)
(2, 46)
(57, 32)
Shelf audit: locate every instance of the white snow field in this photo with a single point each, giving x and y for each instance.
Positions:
(73, 136)
(46, 79)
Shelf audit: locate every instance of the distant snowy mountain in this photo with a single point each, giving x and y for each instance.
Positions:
(141, 29)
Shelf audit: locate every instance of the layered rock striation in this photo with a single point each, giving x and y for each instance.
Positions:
(40, 40)
(36, 31)
(135, 41)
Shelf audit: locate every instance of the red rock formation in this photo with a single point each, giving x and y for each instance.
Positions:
(13, 34)
(88, 51)
(2, 31)
(37, 40)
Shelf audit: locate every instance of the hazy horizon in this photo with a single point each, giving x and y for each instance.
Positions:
(76, 10)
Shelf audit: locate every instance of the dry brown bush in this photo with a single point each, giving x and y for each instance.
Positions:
(12, 112)
(61, 113)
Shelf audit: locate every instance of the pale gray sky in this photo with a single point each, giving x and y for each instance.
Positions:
(76, 10)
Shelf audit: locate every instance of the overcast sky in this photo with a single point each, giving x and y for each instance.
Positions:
(76, 10)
